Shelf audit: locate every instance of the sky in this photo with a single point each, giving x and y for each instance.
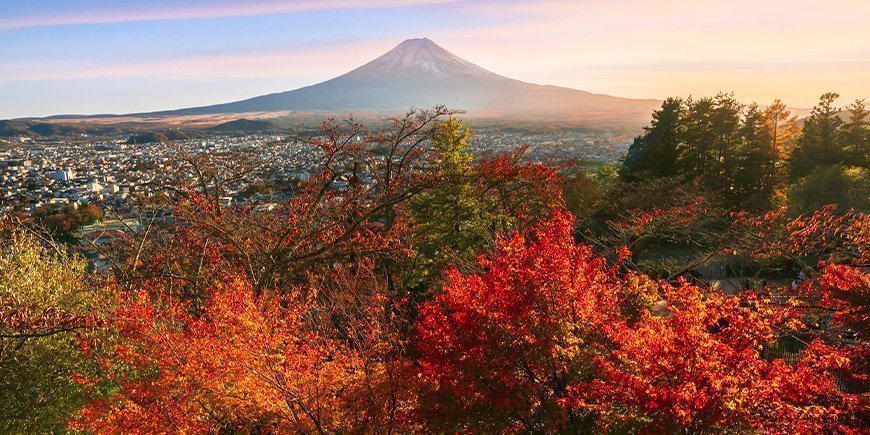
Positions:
(125, 56)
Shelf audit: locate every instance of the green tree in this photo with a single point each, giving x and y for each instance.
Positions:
(452, 220)
(655, 152)
(848, 186)
(753, 181)
(819, 144)
(712, 134)
(855, 135)
(583, 194)
(767, 137)
(44, 301)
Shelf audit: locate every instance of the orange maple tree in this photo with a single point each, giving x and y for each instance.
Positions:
(320, 358)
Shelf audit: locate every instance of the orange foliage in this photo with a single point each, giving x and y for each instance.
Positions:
(247, 363)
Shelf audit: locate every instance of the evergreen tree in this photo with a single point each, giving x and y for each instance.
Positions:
(695, 153)
(819, 144)
(752, 182)
(855, 135)
(655, 152)
(727, 133)
(711, 138)
(767, 137)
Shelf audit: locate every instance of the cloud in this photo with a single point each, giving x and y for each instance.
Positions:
(217, 9)
(311, 61)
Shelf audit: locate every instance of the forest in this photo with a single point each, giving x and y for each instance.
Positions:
(716, 280)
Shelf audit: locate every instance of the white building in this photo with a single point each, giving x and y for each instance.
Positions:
(95, 187)
(64, 175)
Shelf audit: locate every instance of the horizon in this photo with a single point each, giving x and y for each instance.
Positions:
(100, 57)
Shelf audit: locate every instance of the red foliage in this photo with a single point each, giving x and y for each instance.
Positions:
(295, 320)
(524, 191)
(501, 348)
(823, 235)
(700, 369)
(639, 220)
(301, 362)
(547, 337)
(25, 321)
(290, 319)
(844, 293)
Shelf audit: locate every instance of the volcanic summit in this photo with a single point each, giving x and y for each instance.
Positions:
(420, 73)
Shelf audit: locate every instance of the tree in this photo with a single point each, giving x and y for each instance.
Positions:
(45, 302)
(547, 337)
(501, 348)
(655, 152)
(296, 319)
(766, 139)
(523, 192)
(583, 194)
(819, 144)
(824, 236)
(781, 129)
(735, 150)
(711, 136)
(848, 187)
(62, 221)
(325, 357)
(317, 227)
(699, 369)
(753, 183)
(453, 219)
(291, 319)
(855, 135)
(303, 318)
(670, 226)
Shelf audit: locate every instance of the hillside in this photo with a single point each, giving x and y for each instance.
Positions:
(244, 125)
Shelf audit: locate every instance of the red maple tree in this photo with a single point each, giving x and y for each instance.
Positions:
(548, 337)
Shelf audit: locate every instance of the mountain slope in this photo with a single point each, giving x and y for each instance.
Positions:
(244, 125)
(419, 73)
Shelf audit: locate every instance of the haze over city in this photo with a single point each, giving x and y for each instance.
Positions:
(98, 56)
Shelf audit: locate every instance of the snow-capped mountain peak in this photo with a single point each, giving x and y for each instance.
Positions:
(418, 59)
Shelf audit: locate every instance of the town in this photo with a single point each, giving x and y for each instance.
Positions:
(110, 176)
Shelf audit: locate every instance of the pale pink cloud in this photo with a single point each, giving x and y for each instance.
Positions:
(316, 62)
(213, 10)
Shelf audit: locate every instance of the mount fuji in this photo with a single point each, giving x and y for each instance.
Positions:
(420, 73)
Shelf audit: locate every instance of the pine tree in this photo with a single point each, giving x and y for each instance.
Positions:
(855, 135)
(712, 135)
(752, 182)
(655, 152)
(818, 145)
(781, 129)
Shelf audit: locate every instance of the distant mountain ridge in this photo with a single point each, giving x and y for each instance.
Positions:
(244, 125)
(420, 73)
